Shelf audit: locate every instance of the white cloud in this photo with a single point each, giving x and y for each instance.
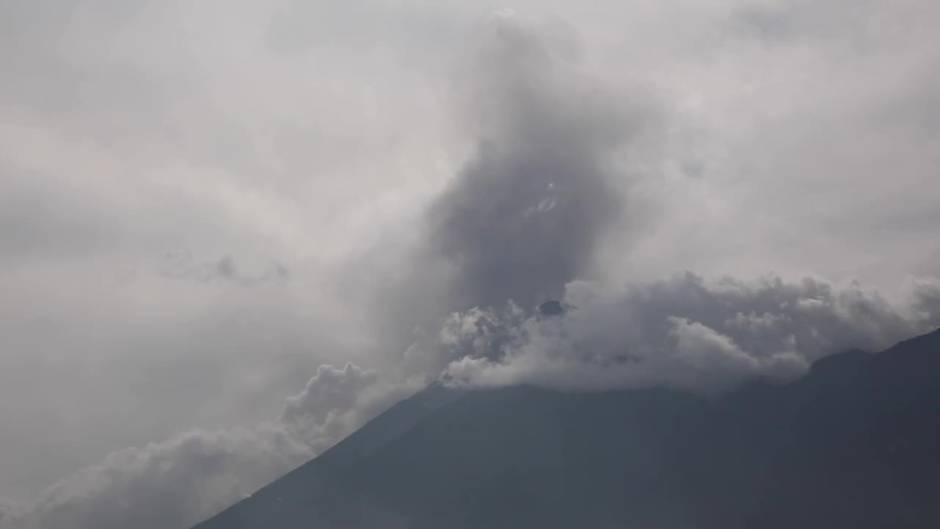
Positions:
(683, 332)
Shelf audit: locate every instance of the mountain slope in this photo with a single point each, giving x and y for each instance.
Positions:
(852, 444)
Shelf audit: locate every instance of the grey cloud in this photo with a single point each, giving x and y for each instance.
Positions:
(181, 264)
(192, 154)
(525, 213)
(7, 510)
(927, 300)
(684, 332)
(337, 401)
(36, 223)
(178, 482)
(299, 26)
(89, 66)
(168, 484)
(781, 22)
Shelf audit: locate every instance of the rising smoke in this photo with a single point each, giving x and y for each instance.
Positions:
(525, 213)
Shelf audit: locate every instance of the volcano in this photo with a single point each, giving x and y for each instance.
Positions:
(853, 444)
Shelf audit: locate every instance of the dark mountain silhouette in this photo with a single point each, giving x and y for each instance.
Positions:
(853, 444)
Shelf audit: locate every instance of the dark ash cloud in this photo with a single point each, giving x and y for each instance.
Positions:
(525, 213)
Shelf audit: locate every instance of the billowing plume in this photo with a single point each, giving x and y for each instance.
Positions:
(524, 214)
(684, 332)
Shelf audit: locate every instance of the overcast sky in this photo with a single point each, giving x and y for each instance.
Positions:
(203, 202)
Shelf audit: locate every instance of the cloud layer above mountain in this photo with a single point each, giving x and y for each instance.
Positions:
(684, 332)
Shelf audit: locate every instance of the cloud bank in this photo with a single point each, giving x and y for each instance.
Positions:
(183, 480)
(684, 332)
